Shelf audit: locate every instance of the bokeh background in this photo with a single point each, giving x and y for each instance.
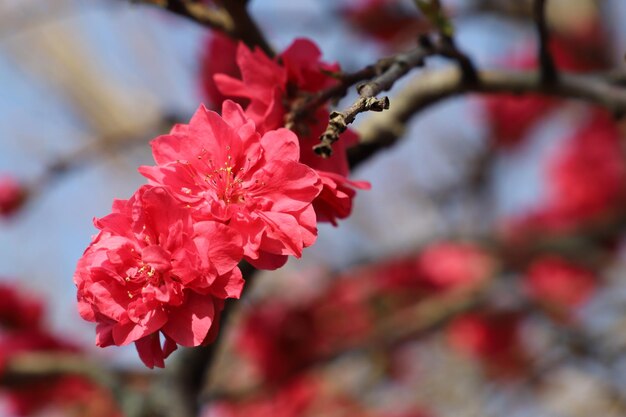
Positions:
(85, 85)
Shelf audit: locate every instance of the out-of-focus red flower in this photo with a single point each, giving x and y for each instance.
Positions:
(151, 270)
(22, 332)
(271, 86)
(559, 283)
(12, 195)
(588, 176)
(218, 57)
(16, 341)
(223, 170)
(343, 315)
(21, 325)
(279, 340)
(492, 338)
(72, 396)
(293, 399)
(454, 265)
(512, 116)
(302, 397)
(389, 22)
(17, 310)
(586, 180)
(581, 49)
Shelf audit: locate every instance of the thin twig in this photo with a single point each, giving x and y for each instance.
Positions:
(246, 28)
(434, 86)
(394, 68)
(211, 17)
(548, 69)
(399, 65)
(231, 17)
(449, 49)
(308, 104)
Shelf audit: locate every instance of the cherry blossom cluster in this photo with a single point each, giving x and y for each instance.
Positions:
(270, 87)
(224, 189)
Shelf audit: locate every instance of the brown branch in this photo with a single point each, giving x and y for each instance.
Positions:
(246, 28)
(435, 86)
(193, 369)
(308, 104)
(516, 9)
(211, 17)
(30, 365)
(230, 17)
(448, 49)
(398, 66)
(416, 321)
(446, 45)
(419, 320)
(548, 69)
(25, 368)
(389, 71)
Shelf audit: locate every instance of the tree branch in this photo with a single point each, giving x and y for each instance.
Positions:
(388, 72)
(28, 367)
(434, 86)
(308, 104)
(194, 366)
(230, 17)
(214, 18)
(246, 28)
(548, 69)
(397, 67)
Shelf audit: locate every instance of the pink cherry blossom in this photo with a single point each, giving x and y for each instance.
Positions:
(152, 270)
(223, 170)
(271, 87)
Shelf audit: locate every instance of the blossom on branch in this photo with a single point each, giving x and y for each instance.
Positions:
(221, 169)
(152, 270)
(272, 87)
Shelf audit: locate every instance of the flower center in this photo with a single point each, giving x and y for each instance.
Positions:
(144, 276)
(224, 179)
